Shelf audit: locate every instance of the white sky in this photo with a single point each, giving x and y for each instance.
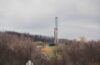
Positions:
(76, 17)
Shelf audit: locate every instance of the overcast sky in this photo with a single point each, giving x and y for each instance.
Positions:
(76, 17)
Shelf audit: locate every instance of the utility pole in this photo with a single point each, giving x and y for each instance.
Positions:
(56, 31)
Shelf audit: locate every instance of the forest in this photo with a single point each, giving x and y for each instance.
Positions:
(18, 48)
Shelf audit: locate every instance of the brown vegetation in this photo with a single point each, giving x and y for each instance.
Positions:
(17, 50)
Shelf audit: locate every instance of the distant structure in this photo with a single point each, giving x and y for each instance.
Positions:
(82, 39)
(29, 63)
(56, 31)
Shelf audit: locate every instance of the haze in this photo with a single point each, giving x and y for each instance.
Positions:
(76, 17)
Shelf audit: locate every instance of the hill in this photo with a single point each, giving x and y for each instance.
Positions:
(38, 37)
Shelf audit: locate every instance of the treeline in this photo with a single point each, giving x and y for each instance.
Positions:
(18, 49)
(39, 37)
(81, 53)
(33, 37)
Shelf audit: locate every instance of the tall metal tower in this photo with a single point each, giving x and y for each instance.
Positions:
(56, 31)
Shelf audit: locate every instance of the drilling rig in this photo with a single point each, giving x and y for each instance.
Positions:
(49, 49)
(56, 31)
(55, 42)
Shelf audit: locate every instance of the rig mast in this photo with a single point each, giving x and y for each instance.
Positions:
(56, 31)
